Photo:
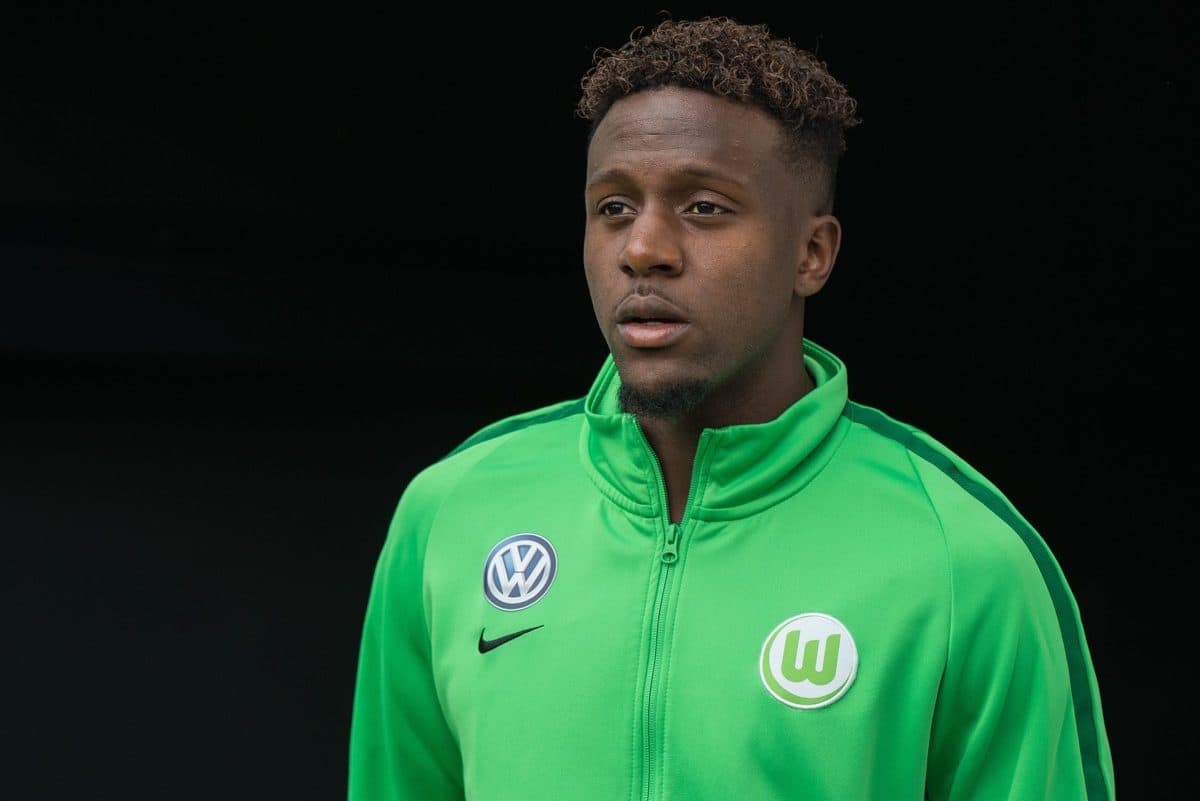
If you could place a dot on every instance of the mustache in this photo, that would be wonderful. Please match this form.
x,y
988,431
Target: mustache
x,y
647,291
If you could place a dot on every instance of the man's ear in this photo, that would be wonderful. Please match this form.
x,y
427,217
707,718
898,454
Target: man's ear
x,y
818,253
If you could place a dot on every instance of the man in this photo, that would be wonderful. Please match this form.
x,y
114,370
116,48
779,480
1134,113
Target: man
x,y
714,576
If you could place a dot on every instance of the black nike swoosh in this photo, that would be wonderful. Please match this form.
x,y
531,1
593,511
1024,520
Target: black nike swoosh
x,y
487,645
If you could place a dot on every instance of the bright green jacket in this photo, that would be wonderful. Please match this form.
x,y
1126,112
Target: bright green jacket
x,y
846,612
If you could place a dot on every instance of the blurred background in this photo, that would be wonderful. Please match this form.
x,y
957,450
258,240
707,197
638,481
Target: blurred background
x,y
260,265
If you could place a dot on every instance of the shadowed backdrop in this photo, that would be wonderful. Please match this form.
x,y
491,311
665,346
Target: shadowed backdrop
x,y
259,266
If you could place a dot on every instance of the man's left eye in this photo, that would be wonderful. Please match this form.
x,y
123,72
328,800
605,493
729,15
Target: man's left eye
x,y
706,207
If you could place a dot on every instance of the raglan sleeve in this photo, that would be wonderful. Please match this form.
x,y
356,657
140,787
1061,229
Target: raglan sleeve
x,y
1018,714
401,748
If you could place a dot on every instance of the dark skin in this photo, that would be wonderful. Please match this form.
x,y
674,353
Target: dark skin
x,y
727,257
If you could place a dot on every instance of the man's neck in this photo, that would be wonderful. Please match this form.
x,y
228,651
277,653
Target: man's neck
x,y
675,446
675,440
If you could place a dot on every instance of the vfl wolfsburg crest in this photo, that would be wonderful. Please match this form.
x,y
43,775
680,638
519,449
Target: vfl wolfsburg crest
x,y
809,661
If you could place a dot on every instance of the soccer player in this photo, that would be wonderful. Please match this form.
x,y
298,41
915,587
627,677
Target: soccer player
x,y
715,576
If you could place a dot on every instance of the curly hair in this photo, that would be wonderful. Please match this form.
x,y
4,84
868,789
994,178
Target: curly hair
x,y
745,63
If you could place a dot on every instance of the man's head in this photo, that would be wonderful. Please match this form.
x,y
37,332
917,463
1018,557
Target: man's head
x,y
711,166
745,63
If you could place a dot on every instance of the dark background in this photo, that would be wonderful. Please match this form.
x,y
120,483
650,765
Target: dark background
x,y
259,266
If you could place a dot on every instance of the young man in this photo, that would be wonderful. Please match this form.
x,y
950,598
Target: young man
x,y
714,576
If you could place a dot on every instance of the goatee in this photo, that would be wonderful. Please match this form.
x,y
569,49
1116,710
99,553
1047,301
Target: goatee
x,y
670,402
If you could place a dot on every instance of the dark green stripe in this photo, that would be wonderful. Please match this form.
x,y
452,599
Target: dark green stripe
x,y
1085,721
516,423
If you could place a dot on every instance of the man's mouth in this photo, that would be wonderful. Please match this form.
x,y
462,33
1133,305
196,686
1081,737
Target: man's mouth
x,y
648,309
649,321
651,332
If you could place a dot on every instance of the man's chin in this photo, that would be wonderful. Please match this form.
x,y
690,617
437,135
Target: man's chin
x,y
665,400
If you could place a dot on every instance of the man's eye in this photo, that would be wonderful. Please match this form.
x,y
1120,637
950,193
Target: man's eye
x,y
706,208
612,208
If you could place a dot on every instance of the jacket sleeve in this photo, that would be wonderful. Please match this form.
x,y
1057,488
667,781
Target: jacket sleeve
x,y
1018,714
401,748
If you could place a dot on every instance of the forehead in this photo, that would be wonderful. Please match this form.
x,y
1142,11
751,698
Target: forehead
x,y
672,127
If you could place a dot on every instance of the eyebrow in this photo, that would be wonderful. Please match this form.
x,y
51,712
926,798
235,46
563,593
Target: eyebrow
x,y
692,170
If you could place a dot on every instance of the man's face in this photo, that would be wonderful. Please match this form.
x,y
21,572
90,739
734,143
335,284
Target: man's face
x,y
696,231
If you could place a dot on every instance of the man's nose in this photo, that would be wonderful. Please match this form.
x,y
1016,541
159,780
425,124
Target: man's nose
x,y
652,244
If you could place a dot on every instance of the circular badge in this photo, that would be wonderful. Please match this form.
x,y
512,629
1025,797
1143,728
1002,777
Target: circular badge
x,y
809,661
518,571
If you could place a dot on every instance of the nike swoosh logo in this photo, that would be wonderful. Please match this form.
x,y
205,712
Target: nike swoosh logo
x,y
487,645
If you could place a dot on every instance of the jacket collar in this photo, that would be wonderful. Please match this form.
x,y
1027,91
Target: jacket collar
x,y
739,469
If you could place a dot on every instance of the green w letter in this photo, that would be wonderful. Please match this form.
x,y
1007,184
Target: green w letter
x,y
794,670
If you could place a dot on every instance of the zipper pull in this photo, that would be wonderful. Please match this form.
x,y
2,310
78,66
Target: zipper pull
x,y
669,553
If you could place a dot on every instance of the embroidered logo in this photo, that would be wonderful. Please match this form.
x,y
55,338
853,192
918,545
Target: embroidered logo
x,y
486,645
809,661
518,571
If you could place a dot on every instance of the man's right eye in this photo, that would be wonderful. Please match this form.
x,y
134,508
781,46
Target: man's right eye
x,y
612,208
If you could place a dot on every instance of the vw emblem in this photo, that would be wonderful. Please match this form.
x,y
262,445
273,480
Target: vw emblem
x,y
518,571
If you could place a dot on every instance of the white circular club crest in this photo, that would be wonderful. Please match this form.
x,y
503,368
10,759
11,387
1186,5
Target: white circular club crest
x,y
518,571
809,661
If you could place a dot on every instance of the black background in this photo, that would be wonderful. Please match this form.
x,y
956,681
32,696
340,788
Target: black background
x,y
259,266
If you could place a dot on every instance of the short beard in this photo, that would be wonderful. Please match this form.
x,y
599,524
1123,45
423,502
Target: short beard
x,y
670,402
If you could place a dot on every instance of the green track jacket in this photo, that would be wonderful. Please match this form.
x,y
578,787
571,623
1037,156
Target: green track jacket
x,y
846,612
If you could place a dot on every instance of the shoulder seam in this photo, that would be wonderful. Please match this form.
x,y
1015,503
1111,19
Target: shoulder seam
x,y
518,422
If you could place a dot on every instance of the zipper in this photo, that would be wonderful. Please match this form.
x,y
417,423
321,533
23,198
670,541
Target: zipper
x,y
668,557
654,662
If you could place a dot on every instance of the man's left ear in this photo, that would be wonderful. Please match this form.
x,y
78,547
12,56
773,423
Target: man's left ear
x,y
818,255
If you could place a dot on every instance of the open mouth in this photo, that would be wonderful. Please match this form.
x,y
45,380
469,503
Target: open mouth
x,y
649,321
